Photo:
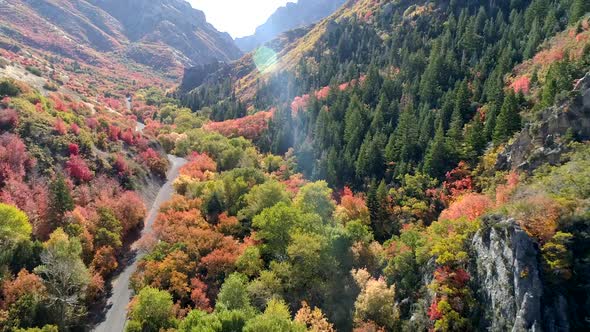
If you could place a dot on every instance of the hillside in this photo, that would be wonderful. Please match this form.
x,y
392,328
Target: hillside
x,y
161,34
293,15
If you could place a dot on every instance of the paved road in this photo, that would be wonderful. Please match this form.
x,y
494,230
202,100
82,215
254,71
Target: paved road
x,y
121,294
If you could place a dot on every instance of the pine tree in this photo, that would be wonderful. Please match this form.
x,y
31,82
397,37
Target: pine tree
x,y
354,131
436,155
533,41
549,90
490,123
578,9
61,200
378,122
508,121
462,102
403,143
454,137
475,141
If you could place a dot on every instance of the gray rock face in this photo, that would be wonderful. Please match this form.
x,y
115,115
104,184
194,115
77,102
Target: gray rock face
x,y
543,141
507,277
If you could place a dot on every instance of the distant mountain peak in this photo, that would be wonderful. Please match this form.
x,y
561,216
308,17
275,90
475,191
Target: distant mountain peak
x,y
292,15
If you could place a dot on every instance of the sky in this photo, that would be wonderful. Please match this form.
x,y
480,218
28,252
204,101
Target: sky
x,y
238,17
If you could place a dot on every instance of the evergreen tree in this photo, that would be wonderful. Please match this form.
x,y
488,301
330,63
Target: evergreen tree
x,y
462,102
533,41
475,141
490,123
578,9
402,145
508,121
61,200
436,155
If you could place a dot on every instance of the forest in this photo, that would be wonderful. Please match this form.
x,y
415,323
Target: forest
x,y
349,193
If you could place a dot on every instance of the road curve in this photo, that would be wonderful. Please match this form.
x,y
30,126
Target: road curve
x,y
121,293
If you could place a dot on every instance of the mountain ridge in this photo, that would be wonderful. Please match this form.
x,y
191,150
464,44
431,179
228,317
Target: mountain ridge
x,y
169,30
291,16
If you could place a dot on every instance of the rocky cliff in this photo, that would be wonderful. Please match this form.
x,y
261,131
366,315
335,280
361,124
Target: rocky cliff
x,y
507,276
545,140
508,281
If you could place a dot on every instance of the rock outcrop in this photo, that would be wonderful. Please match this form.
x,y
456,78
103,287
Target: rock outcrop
x,y
545,141
507,277
509,283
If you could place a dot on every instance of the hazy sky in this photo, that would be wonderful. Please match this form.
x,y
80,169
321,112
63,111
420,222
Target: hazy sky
x,y
238,17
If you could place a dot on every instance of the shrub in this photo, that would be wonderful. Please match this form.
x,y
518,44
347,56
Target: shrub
x,y
9,89
34,70
51,86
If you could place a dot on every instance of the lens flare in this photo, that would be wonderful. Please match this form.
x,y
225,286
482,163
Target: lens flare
x,y
265,59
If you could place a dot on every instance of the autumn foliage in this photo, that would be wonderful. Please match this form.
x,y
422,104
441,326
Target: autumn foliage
x,y
470,206
199,167
78,169
249,127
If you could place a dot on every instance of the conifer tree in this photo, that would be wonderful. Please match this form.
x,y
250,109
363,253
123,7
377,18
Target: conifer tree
x,y
475,140
578,9
508,121
436,155
533,41
61,200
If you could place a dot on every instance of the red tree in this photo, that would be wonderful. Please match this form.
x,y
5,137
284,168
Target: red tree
x,y
470,206
14,159
60,127
74,149
199,295
78,169
8,119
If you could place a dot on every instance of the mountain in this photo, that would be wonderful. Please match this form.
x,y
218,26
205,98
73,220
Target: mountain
x,y
161,33
291,16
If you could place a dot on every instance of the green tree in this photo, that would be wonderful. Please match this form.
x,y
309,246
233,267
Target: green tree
x,y
60,200
475,141
264,288
234,294
250,262
533,41
276,318
263,196
274,227
109,229
316,197
508,121
198,320
14,228
152,311
578,9
436,155
354,130
66,278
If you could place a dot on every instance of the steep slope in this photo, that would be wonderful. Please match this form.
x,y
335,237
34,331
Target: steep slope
x,y
174,23
162,34
292,15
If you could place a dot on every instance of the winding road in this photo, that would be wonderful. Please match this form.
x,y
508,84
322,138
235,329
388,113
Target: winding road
x,y
121,293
